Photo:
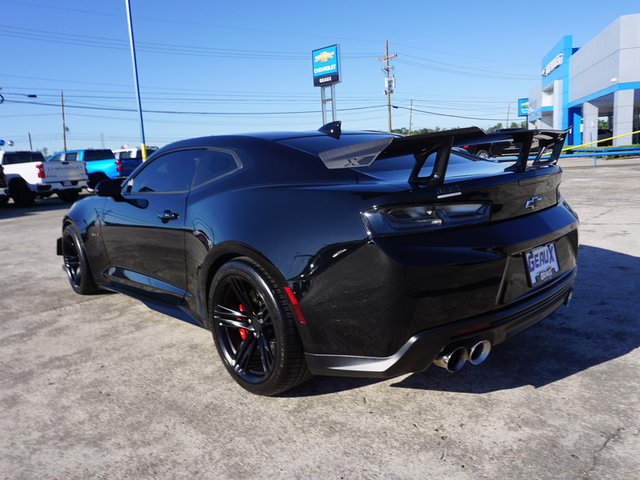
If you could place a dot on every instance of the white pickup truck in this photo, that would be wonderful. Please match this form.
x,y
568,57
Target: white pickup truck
x,y
4,198
28,176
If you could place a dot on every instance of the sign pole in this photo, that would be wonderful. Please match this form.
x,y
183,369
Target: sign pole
x,y
333,103
322,101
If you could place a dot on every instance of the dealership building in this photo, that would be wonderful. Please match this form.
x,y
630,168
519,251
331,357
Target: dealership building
x,y
600,80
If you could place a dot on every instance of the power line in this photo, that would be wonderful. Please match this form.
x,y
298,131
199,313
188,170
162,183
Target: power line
x,y
468,68
447,115
178,112
154,47
468,72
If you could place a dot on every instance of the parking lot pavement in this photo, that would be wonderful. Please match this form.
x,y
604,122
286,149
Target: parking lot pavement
x,y
102,387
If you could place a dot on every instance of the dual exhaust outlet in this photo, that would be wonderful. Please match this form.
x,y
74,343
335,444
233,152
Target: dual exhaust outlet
x,y
453,359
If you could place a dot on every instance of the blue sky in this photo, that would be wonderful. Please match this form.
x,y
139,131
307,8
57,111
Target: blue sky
x,y
246,66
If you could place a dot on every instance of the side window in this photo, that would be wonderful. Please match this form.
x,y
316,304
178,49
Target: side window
x,y
214,165
71,157
172,172
126,155
55,158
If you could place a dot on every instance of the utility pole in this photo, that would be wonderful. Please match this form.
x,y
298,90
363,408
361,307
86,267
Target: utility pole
x,y
410,115
30,144
508,108
388,90
64,126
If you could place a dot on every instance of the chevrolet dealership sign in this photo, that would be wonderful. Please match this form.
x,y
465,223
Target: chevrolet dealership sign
x,y
523,107
326,70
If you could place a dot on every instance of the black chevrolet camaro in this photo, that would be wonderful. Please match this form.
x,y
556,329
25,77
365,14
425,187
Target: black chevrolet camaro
x,y
335,253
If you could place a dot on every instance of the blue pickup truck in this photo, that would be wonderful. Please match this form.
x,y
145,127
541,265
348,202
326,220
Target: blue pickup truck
x,y
101,164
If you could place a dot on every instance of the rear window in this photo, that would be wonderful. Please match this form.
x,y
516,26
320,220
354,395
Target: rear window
x,y
22,157
320,143
317,144
92,155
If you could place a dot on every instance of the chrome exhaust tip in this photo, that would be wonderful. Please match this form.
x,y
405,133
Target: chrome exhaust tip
x,y
452,360
479,352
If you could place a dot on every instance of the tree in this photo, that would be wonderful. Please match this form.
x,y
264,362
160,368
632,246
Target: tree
x,y
404,131
45,152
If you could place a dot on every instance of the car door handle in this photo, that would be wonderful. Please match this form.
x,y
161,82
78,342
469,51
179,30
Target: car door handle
x,y
168,215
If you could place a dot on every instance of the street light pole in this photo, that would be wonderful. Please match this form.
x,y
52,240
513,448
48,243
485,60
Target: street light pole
x,y
143,147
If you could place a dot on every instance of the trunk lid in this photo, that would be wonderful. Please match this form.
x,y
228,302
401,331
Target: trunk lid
x,y
511,194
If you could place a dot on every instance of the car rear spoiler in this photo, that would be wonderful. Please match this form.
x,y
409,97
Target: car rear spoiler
x,y
423,145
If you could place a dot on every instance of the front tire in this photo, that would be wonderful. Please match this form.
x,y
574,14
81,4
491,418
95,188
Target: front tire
x,y
254,329
75,262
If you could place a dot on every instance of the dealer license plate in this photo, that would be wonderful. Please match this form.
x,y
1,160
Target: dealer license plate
x,y
66,184
542,263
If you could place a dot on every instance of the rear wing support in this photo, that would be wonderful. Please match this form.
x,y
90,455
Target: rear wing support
x,y
547,140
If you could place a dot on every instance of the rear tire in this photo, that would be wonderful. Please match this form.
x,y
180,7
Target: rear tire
x,y
254,329
22,196
75,262
482,154
95,179
69,196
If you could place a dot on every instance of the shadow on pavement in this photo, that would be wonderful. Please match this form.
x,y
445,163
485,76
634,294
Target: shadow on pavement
x,y
602,324
42,205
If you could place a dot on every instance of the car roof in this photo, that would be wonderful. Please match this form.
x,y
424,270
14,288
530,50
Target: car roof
x,y
230,140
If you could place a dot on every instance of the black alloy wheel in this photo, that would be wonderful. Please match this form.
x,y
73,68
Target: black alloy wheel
x,y
254,329
75,262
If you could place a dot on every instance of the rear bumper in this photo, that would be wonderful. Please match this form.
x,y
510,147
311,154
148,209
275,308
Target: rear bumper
x,y
423,348
59,186
390,305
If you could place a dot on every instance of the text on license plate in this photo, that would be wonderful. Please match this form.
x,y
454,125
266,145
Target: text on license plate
x,y
542,263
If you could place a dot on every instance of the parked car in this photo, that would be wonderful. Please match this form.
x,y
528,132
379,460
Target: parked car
x,y
29,176
4,196
334,253
502,146
604,138
135,153
101,164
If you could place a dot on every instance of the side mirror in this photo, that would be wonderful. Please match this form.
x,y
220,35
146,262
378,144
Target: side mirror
x,y
113,189
110,188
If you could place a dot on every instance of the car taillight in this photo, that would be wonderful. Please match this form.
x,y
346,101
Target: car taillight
x,y
40,168
416,218
119,166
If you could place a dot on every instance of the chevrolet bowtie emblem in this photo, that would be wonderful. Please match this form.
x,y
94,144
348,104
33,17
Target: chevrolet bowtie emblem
x,y
324,56
533,202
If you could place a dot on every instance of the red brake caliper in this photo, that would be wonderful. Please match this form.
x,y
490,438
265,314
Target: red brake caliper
x,y
242,331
